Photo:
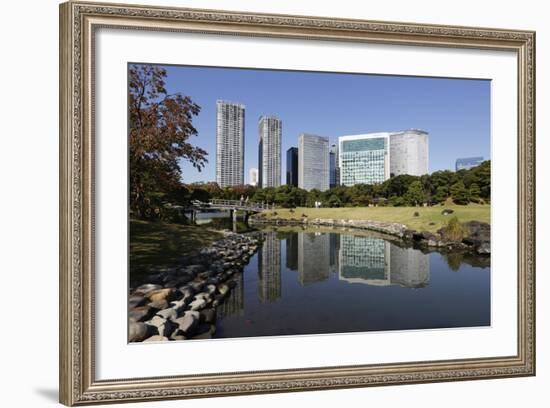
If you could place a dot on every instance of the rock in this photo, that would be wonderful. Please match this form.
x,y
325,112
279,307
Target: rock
x,y
177,337
197,285
484,248
186,324
141,313
161,294
156,338
187,291
138,331
157,321
447,211
194,269
135,301
167,328
208,315
223,289
145,289
180,305
198,303
168,313
210,288
159,304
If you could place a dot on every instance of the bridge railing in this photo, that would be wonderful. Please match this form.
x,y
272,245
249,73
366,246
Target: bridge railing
x,y
241,204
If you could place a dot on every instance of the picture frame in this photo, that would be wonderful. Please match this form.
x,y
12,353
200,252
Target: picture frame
x,y
79,23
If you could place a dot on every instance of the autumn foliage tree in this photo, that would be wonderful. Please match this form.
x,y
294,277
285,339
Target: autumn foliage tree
x,y
160,127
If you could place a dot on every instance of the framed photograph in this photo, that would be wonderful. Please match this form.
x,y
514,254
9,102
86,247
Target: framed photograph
x,y
255,203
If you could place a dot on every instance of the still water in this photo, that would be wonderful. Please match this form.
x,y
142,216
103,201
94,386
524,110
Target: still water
x,y
315,281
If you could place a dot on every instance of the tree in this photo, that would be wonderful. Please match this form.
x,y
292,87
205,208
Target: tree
x,y
441,194
475,192
460,194
160,126
415,194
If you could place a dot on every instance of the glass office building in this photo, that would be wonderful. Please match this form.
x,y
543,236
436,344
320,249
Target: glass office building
x,y
364,159
467,163
269,151
313,162
292,167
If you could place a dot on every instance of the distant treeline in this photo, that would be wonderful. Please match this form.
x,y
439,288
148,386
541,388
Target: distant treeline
x,y
463,186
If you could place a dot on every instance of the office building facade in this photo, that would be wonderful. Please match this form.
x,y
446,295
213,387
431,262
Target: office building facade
x,y
292,167
467,163
253,176
229,144
409,152
313,162
269,151
364,159
334,168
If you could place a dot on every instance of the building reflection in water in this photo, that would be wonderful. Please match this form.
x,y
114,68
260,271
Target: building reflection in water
x,y
291,242
269,269
365,260
313,257
234,304
375,261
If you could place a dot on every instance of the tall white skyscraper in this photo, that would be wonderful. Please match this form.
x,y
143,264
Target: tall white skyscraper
x,y
269,151
253,176
409,152
229,144
313,162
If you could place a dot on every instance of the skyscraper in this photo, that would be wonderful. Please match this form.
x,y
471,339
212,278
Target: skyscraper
x,y
253,176
467,163
269,151
313,162
292,167
409,152
334,169
364,158
229,144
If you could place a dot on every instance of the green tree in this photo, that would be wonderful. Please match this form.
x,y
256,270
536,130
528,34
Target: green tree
x,y
441,194
415,194
460,194
475,192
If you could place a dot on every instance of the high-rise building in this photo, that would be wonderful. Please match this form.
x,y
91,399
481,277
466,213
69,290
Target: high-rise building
x,y
229,144
364,159
334,169
253,176
409,152
467,163
292,167
269,151
313,162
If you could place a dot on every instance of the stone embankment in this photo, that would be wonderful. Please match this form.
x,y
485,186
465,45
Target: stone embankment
x,y
181,303
477,234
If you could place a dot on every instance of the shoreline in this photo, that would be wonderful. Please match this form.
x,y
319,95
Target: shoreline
x,y
477,240
180,303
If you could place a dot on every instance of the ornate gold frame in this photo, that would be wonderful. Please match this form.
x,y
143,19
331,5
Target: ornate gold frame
x,y
78,22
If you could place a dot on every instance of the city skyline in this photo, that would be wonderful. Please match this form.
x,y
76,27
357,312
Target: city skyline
x,y
456,112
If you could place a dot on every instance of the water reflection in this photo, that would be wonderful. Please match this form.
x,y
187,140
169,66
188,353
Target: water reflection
x,y
234,304
269,268
313,258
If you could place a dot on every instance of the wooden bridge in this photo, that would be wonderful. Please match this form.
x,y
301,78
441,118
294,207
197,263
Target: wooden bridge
x,y
232,206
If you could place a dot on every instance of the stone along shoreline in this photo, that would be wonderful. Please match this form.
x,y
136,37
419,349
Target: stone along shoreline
x,y
181,302
477,234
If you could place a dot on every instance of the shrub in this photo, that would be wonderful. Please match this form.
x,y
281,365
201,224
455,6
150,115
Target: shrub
x,y
453,231
416,214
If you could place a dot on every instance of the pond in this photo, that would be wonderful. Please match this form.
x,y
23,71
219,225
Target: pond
x,y
316,281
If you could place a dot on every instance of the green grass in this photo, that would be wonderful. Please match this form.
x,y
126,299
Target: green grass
x,y
429,218
163,244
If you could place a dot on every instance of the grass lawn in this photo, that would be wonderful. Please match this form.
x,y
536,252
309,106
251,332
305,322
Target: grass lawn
x,y
401,215
163,244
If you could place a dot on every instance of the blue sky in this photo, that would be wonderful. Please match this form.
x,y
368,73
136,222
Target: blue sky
x,y
455,112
